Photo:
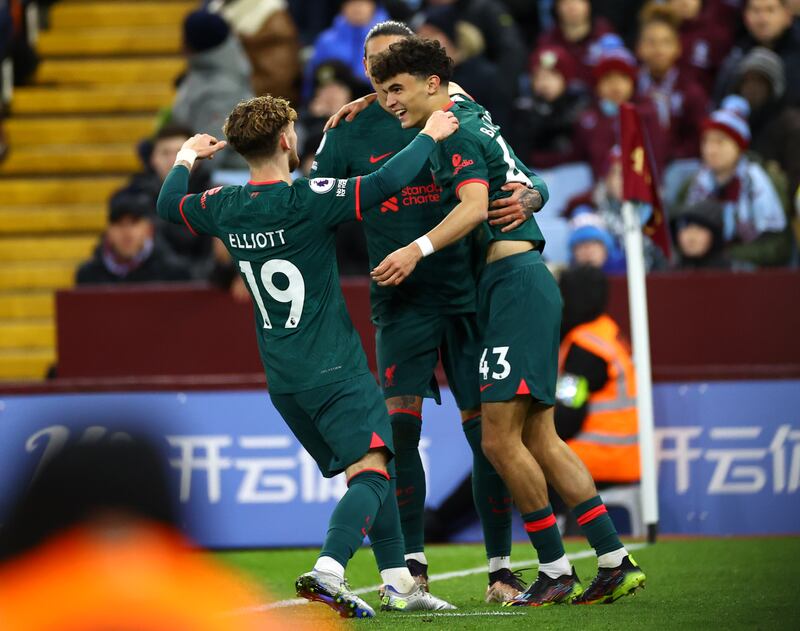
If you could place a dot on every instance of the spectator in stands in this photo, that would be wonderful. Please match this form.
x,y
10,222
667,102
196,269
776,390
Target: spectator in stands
x,y
128,251
143,188
680,102
269,37
753,219
769,24
704,41
504,45
595,410
464,43
590,242
217,78
698,238
598,126
774,123
334,87
545,119
344,40
312,17
577,31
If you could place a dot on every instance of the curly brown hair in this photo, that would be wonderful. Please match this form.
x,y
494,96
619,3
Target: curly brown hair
x,y
416,56
254,126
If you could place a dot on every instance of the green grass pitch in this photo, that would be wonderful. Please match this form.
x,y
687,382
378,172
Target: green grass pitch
x,y
691,584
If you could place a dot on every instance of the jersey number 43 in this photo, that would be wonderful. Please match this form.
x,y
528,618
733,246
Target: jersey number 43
x,y
294,293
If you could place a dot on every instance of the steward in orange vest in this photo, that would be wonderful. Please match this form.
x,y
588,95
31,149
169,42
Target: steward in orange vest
x,y
596,393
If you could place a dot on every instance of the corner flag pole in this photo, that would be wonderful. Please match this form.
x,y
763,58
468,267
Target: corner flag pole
x,y
640,333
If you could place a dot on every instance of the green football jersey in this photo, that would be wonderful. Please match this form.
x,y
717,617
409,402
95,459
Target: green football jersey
x,y
477,152
282,239
441,283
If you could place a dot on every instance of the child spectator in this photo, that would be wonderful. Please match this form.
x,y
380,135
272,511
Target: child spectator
x,y
545,119
680,102
334,87
699,243
217,78
590,242
128,252
598,126
704,41
576,30
753,218
774,123
344,40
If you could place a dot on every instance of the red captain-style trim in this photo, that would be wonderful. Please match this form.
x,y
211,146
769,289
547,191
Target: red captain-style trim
x,y
470,181
406,411
183,216
264,183
383,473
358,198
449,105
376,442
540,524
591,514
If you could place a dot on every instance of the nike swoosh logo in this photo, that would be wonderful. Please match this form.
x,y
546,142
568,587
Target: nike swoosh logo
x,y
488,385
374,159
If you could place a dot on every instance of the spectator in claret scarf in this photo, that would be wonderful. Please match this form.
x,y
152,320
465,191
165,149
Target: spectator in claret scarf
x,y
578,32
680,102
754,221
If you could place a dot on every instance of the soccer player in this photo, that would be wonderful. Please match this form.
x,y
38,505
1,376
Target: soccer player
x,y
281,236
432,315
519,316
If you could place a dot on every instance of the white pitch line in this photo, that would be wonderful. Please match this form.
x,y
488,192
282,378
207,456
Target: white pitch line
x,y
444,576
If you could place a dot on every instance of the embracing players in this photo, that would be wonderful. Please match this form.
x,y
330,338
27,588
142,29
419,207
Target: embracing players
x,y
431,315
519,316
281,235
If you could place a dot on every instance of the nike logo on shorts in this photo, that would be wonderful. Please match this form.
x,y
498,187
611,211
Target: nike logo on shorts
x,y
488,385
374,159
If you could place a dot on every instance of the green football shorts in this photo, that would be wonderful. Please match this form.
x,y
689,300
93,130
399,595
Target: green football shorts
x,y
409,343
337,423
519,318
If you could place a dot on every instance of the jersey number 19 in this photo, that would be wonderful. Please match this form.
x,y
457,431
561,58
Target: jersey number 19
x,y
294,294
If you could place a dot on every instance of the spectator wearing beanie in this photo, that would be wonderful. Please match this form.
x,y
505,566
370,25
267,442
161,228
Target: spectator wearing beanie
x,y
753,218
774,123
598,127
546,117
217,78
577,31
698,239
680,102
769,24
464,43
590,242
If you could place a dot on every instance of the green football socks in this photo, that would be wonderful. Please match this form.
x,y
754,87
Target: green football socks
x,y
386,535
406,429
355,514
544,535
596,524
492,500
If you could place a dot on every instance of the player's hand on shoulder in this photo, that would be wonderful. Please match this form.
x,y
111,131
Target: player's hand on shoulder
x,y
511,212
440,125
396,267
204,145
350,111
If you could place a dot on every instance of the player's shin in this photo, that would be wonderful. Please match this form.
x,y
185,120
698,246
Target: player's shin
x,y
406,429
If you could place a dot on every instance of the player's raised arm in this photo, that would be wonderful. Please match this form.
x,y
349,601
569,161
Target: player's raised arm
x,y
176,184
404,166
470,212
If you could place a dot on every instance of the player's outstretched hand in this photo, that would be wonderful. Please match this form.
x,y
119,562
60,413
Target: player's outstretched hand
x,y
204,145
440,125
396,267
516,209
350,111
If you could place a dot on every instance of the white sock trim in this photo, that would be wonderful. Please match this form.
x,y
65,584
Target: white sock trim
x,y
399,578
612,559
556,568
498,563
330,565
419,557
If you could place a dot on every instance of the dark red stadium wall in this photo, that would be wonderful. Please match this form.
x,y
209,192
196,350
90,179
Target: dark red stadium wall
x,y
704,326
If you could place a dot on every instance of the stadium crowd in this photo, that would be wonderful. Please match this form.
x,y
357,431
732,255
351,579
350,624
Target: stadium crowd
x,y
716,82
